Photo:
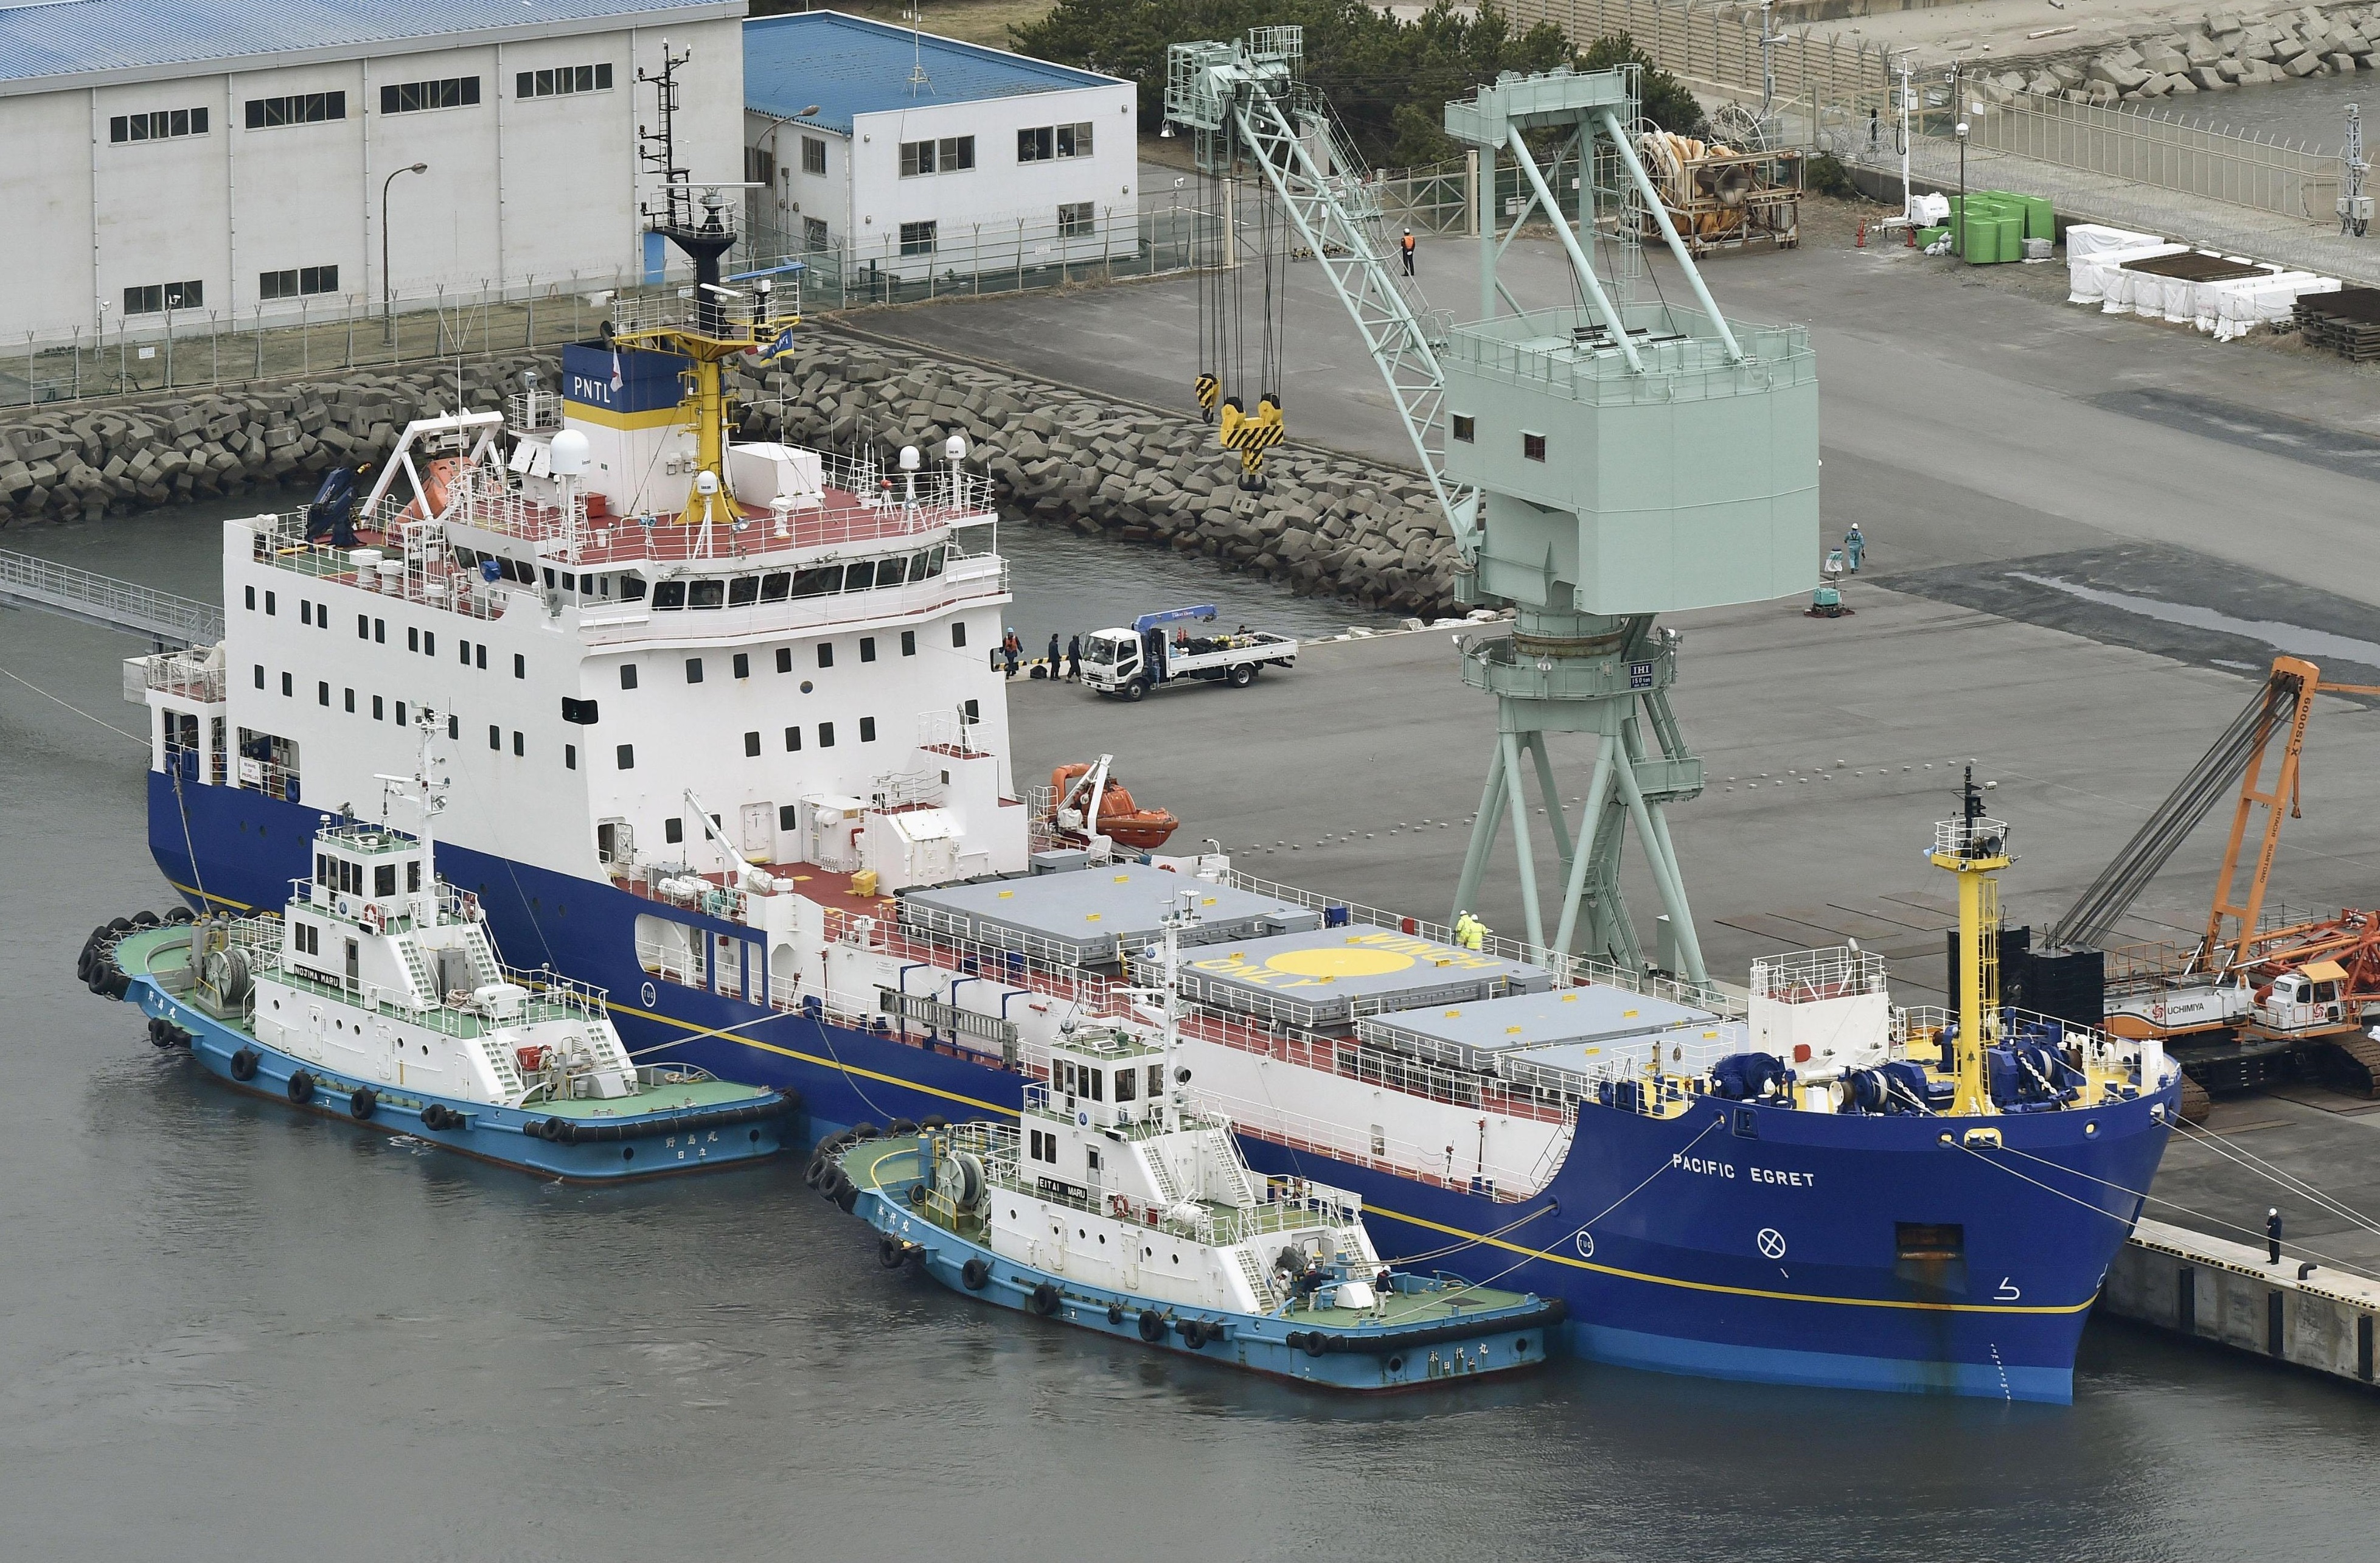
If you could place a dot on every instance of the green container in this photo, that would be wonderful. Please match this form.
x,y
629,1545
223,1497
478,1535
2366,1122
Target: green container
x,y
2012,229
2040,217
1928,237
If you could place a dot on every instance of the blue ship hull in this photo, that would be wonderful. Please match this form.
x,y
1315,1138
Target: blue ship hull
x,y
1739,1241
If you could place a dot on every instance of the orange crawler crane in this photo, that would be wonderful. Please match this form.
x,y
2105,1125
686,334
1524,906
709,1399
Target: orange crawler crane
x,y
2247,996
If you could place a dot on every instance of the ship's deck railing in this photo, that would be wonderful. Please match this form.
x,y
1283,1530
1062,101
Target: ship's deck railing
x,y
1804,976
430,581
1569,970
190,675
1923,1024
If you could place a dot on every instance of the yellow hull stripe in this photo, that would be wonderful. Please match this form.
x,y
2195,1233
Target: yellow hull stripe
x,y
658,418
203,895
813,1059
1734,1291
1410,1220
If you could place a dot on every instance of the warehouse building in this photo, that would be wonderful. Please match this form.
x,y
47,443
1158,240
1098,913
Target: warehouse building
x,y
928,154
224,158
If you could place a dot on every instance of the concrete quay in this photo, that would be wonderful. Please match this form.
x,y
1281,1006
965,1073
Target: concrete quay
x,y
2231,1294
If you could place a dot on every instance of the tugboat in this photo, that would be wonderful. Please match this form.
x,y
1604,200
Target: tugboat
x,y
1115,1206
377,992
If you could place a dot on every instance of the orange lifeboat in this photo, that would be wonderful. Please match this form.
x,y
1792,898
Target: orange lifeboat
x,y
437,476
1121,819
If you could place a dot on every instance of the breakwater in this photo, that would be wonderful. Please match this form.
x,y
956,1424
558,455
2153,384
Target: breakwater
x,y
1324,524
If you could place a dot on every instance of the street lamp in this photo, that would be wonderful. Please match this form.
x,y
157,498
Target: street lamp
x,y
387,296
777,123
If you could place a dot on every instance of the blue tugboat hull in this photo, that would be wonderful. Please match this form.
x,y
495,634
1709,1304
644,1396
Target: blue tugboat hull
x,y
1654,1232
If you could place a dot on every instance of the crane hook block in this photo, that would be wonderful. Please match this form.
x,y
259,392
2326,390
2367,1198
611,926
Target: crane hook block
x,y
1208,388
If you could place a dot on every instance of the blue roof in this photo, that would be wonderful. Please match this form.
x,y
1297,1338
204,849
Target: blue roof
x,y
849,65
70,38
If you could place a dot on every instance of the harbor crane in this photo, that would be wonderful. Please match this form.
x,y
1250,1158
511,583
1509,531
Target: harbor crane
x,y
1598,463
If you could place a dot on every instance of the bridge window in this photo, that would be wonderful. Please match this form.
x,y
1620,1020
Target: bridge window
x,y
1533,447
1467,428
705,594
669,594
743,592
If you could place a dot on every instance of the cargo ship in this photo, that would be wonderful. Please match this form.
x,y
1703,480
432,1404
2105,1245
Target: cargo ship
x,y
727,743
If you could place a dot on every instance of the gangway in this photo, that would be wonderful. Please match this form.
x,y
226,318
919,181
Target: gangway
x,y
127,607
1598,463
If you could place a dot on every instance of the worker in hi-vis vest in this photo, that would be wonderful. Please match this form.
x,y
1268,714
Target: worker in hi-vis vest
x,y
1406,245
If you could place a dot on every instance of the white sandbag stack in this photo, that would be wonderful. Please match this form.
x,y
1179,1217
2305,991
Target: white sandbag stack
x,y
2263,302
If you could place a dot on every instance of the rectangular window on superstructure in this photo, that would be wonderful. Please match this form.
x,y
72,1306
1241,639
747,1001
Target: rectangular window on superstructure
x,y
288,684
363,627
400,713
380,708
562,80
743,664
813,154
520,748
958,634
674,830
793,739
624,757
272,605
252,600
430,643
157,125
480,657
412,637
351,702
826,735
570,757
454,726
412,97
908,643
868,730
305,611
826,653
260,675
751,746
495,738
380,632
322,694
520,665
784,659
693,670
787,816
298,108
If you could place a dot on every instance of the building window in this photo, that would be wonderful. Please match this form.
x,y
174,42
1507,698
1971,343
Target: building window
x,y
751,746
826,735
868,730
793,739
297,282
160,125
1533,446
917,238
1076,220
157,297
693,670
410,97
760,165
908,643
562,79
1052,141
947,154
626,757
813,154
299,108
958,634
813,234
1465,427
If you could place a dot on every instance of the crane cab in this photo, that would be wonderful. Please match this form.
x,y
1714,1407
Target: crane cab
x,y
2310,997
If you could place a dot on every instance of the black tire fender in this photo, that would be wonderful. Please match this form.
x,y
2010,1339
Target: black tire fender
x,y
433,1116
301,1088
974,1274
891,1252
243,1064
1045,1299
1115,1312
1315,1343
1152,1325
363,1103
901,1126
846,1196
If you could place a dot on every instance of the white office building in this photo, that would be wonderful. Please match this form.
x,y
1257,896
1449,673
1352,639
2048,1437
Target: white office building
x,y
222,157
930,154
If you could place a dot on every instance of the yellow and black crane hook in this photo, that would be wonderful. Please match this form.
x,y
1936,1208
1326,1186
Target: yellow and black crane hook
x,y
1208,388
1252,434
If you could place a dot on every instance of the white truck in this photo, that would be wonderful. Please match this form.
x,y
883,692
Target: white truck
x,y
1127,664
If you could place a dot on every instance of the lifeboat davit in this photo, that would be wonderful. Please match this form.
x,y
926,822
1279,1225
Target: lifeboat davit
x,y
1121,819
